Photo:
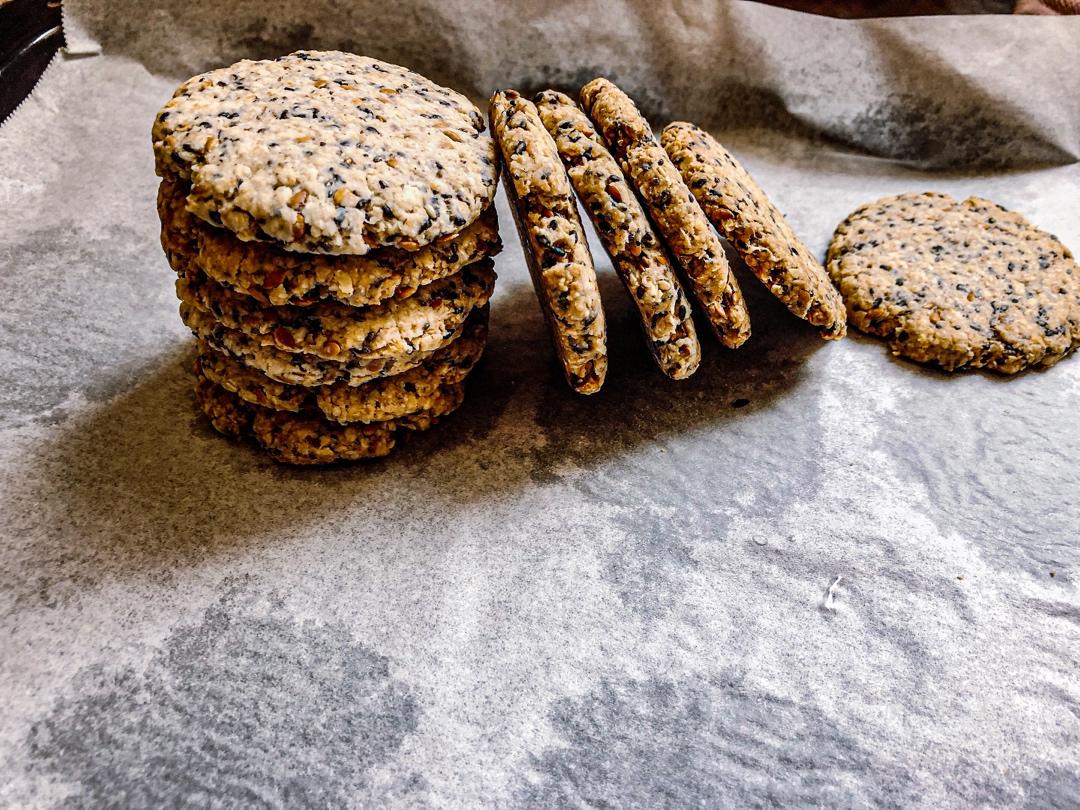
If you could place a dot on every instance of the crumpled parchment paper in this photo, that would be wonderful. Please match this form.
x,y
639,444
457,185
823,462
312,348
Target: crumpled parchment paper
x,y
811,574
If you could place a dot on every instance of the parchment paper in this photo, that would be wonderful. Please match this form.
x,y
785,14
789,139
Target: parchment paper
x,y
811,574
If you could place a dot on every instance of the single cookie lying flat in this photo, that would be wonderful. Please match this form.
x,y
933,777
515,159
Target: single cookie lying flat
x,y
327,152
627,236
296,368
307,438
741,211
334,331
961,284
375,401
672,208
277,277
551,233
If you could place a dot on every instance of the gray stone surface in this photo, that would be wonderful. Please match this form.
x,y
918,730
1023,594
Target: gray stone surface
x,y
809,575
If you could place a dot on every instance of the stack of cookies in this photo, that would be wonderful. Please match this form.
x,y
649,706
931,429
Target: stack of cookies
x,y
330,220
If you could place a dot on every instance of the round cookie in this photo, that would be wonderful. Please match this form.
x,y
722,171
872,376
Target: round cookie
x,y
248,384
327,152
308,439
334,331
374,401
961,284
672,208
278,277
295,368
626,234
560,264
228,414
740,210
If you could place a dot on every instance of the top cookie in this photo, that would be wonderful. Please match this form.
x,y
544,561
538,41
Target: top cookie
x,y
629,239
560,264
961,284
672,208
739,209
327,152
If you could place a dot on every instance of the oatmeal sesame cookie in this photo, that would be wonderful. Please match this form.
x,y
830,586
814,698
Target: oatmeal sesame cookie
x,y
375,401
635,250
963,284
740,210
672,208
551,233
249,384
306,438
327,152
335,331
228,414
278,277
294,368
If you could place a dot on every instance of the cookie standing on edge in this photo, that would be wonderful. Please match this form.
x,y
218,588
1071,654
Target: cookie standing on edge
x,y
327,152
961,284
561,266
671,207
741,211
627,236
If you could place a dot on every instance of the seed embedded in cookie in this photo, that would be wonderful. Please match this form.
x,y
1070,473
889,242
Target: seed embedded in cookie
x,y
635,250
963,284
556,251
741,211
672,208
327,152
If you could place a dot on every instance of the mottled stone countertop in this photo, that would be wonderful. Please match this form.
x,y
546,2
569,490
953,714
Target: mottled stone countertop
x,y
809,575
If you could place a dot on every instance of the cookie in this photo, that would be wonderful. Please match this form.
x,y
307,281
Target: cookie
x,y
408,393
278,277
961,284
306,438
558,256
334,331
626,234
307,370
376,401
672,208
327,152
741,211
250,385
228,414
